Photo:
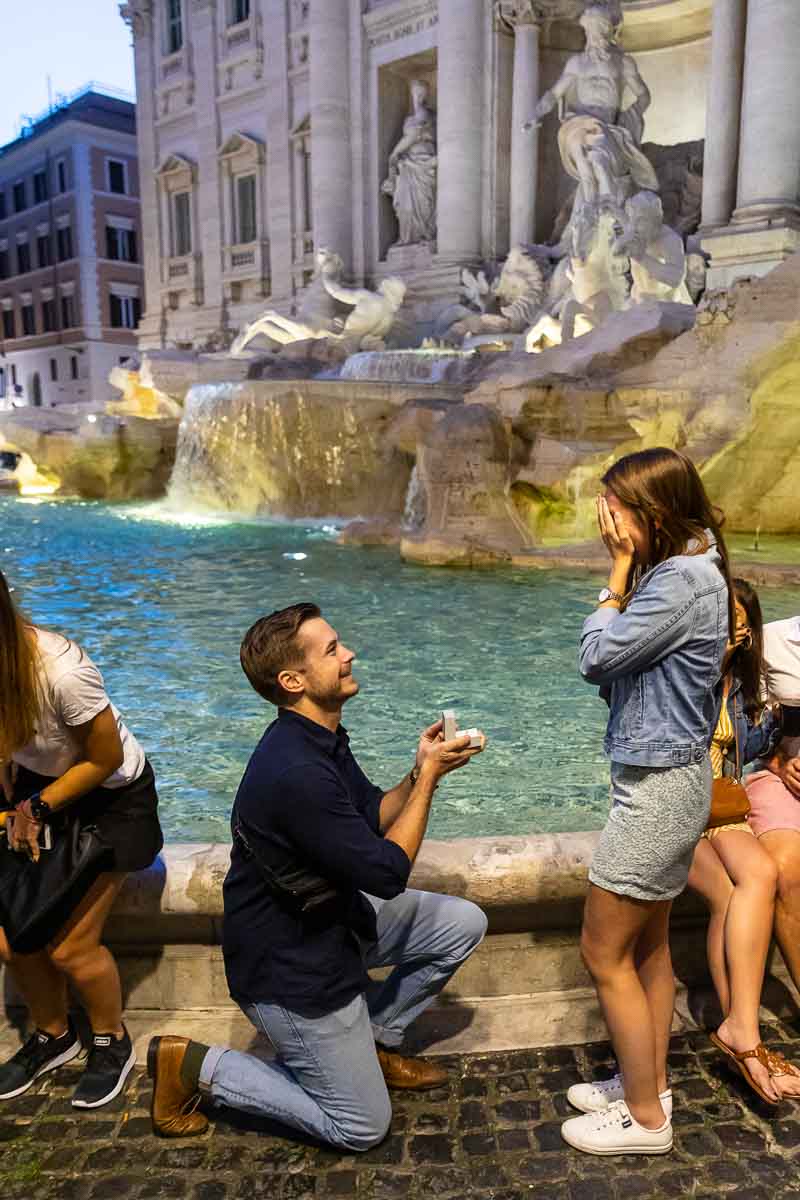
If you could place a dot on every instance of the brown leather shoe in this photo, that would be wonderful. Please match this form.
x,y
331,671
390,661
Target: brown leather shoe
x,y
409,1073
173,1108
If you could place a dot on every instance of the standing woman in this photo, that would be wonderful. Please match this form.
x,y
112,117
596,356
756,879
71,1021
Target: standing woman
x,y
655,645
66,755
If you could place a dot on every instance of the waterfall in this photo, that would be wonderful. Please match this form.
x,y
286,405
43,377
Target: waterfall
x,y
416,505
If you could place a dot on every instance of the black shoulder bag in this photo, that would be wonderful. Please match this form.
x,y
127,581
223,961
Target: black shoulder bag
x,y
37,899
297,888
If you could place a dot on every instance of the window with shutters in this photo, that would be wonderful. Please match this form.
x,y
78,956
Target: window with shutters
x,y
64,243
49,322
125,311
174,26
68,319
246,209
43,253
40,190
181,224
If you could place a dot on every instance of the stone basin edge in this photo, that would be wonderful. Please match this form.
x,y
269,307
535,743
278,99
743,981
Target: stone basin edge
x,y
494,872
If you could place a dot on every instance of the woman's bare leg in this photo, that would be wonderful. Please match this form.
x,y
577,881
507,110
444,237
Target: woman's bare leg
x,y
710,880
654,967
89,965
748,930
783,847
612,926
43,988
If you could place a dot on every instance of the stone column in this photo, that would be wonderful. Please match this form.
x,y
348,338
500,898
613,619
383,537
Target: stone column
x,y
459,134
769,149
331,160
207,236
524,146
145,32
723,107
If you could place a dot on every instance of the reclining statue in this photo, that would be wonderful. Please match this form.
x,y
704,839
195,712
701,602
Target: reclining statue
x,y
319,314
315,316
373,314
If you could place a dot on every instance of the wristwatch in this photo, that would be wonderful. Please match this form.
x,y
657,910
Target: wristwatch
x,y
38,808
607,594
413,774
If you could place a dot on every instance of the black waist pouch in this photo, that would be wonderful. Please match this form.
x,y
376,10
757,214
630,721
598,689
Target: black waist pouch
x,y
302,891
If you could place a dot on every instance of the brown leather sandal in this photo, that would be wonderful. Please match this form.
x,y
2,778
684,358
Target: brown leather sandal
x,y
779,1066
760,1053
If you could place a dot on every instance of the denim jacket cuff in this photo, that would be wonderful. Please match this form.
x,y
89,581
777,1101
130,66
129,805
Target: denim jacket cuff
x,y
599,619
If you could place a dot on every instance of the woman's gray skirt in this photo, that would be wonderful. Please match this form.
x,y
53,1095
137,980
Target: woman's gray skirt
x,y
657,817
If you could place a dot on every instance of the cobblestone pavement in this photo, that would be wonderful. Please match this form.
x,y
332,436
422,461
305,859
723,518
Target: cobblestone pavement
x,y
492,1133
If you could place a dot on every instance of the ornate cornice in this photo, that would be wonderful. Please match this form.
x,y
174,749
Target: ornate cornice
x,y
138,15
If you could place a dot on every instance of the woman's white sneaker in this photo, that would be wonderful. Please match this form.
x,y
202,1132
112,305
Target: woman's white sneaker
x,y
596,1096
614,1131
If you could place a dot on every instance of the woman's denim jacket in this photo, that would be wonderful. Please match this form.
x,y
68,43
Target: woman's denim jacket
x,y
756,739
659,662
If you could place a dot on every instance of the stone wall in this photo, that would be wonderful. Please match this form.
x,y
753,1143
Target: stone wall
x,y
525,985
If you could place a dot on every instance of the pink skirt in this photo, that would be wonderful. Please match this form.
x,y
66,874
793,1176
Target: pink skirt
x,y
772,805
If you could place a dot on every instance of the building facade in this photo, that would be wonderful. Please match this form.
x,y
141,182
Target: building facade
x,y
71,280
271,128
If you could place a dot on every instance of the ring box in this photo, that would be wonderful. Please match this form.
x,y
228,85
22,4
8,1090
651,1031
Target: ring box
x,y
451,730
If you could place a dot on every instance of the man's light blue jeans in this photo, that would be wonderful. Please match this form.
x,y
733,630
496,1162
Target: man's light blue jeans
x,y
326,1079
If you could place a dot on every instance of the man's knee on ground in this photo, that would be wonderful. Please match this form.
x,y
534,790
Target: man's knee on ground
x,y
471,924
368,1130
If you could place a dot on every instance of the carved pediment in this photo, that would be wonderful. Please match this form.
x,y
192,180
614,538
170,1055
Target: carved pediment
x,y
243,144
176,164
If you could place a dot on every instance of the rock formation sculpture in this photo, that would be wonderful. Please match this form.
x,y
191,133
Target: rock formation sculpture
x,y
411,182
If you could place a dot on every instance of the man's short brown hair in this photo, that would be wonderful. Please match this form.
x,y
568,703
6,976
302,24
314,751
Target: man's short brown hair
x,y
271,646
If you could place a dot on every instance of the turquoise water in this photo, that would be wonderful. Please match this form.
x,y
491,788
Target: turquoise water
x,y
161,605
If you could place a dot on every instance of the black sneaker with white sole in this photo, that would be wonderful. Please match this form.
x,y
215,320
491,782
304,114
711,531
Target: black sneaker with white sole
x,y
109,1064
41,1053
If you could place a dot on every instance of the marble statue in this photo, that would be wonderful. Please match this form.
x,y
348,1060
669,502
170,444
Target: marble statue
x,y
597,276
411,181
507,304
316,317
599,139
374,313
656,253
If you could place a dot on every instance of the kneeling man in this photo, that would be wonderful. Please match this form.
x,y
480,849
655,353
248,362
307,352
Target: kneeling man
x,y
316,894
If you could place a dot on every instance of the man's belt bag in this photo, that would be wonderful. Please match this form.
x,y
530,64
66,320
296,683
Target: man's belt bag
x,y
297,888
37,899
730,804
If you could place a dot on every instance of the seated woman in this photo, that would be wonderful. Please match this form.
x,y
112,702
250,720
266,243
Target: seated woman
x,y
734,874
774,792
66,755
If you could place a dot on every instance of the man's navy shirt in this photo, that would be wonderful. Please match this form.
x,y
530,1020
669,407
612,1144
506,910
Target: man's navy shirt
x,y
305,800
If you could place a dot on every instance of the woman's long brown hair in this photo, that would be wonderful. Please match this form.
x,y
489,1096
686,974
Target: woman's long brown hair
x,y
20,704
663,486
747,662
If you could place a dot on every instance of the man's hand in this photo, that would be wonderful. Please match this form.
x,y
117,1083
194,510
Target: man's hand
x,y
428,739
444,757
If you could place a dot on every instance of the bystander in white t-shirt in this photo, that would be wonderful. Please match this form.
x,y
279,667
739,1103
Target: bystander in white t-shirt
x,y
782,669
72,693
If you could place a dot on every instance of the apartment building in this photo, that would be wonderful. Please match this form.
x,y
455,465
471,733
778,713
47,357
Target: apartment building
x,y
71,283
